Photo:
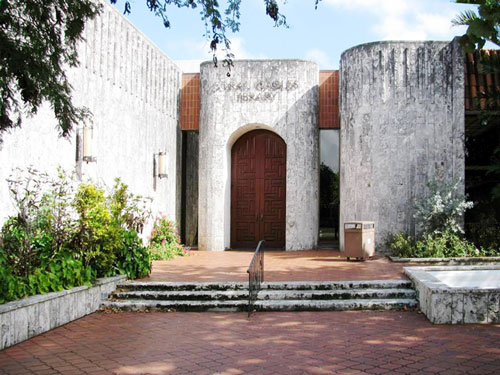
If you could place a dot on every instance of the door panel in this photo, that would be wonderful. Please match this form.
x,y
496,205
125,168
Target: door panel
x,y
258,196
244,193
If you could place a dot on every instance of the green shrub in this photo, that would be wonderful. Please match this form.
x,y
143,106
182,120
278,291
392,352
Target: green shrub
x,y
25,252
97,239
133,259
439,216
66,235
486,234
401,245
64,273
107,238
130,213
43,269
12,287
128,210
164,243
433,245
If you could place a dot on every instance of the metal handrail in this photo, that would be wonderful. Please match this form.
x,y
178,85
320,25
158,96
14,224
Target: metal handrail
x,y
255,275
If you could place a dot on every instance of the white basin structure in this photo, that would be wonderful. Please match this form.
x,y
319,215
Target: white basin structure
x,y
458,294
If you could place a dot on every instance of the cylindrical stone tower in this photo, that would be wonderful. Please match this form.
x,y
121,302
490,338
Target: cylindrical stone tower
x,y
402,125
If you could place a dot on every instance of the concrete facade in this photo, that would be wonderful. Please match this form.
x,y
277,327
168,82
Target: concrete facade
x,y
132,89
402,125
277,95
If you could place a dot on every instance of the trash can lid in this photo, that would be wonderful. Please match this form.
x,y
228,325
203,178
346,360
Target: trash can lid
x,y
359,222
359,225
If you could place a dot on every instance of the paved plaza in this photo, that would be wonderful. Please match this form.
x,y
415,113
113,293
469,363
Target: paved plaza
x,y
390,342
359,342
308,265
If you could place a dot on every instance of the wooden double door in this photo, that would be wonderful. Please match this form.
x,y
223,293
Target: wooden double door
x,y
258,190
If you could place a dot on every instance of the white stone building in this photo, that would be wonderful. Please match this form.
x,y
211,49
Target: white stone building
x,y
243,152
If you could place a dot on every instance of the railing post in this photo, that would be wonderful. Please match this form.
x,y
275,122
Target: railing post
x,y
255,275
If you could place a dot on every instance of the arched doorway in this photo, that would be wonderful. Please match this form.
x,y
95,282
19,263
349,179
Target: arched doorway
x,y
258,190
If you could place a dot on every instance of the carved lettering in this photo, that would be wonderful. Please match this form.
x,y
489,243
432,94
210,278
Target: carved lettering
x,y
256,97
291,85
276,85
262,86
265,91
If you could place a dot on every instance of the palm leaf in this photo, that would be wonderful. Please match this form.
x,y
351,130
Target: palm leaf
x,y
465,18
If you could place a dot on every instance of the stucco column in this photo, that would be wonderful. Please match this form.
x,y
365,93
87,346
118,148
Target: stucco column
x,y
277,95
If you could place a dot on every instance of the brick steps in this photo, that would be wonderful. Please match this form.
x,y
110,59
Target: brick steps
x,y
274,296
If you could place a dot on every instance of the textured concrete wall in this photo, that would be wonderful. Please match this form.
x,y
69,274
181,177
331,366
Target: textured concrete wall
x,y
132,90
28,317
402,124
278,95
192,144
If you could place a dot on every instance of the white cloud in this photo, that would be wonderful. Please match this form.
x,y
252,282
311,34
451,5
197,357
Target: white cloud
x,y
237,49
406,19
203,49
319,56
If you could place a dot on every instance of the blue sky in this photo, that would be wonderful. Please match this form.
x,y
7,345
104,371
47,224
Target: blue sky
x,y
320,35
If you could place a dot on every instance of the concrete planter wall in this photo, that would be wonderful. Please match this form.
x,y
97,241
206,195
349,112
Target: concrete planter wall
x,y
469,299
473,261
22,319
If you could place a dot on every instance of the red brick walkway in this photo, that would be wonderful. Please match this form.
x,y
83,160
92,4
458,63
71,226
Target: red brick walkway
x,y
268,343
312,265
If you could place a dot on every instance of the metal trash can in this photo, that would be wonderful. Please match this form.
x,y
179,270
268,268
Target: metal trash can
x,y
359,239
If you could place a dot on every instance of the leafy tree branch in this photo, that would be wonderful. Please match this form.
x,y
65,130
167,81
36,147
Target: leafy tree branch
x,y
219,20
482,26
38,39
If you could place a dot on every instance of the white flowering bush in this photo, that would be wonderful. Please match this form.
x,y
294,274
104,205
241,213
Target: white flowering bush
x,y
442,209
442,237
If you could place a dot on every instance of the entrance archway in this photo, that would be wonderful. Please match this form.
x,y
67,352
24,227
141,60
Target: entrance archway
x,y
258,190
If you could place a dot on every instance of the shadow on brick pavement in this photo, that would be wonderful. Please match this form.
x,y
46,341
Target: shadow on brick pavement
x,y
305,265
360,342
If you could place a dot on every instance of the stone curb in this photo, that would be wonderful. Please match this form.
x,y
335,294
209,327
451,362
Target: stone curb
x,y
28,317
456,260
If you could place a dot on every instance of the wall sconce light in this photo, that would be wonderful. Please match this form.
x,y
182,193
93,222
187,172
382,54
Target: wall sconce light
x,y
88,135
162,165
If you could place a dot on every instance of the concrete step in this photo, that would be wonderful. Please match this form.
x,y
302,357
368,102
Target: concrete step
x,y
196,295
180,286
262,305
274,296
216,295
337,285
337,305
286,285
181,305
335,294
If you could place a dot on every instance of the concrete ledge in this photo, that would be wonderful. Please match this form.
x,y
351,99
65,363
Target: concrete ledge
x,y
447,261
28,317
467,297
